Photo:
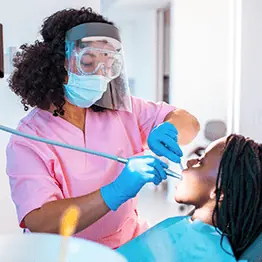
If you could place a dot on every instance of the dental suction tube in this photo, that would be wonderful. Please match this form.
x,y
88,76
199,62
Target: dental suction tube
x,y
76,148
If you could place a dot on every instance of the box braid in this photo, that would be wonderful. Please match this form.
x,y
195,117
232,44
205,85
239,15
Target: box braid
x,y
239,215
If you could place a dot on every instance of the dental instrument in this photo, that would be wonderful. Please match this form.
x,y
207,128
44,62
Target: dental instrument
x,y
81,149
181,166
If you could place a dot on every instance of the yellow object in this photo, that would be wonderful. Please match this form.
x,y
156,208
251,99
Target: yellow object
x,y
69,221
68,226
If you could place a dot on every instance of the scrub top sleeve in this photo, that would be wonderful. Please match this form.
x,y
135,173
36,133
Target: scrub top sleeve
x,y
31,183
149,114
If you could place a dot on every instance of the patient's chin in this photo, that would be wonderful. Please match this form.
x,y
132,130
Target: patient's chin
x,y
182,199
179,199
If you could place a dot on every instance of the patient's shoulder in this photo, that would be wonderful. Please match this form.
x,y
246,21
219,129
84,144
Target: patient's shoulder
x,y
215,253
205,240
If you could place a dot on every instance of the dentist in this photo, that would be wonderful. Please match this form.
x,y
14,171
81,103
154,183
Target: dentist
x,y
75,80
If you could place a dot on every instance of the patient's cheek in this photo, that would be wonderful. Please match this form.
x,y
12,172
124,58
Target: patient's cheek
x,y
181,193
189,189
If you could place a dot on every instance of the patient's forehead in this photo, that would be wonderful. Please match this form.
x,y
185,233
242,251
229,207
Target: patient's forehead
x,y
215,149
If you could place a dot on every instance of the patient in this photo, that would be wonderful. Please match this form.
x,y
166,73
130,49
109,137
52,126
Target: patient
x,y
225,186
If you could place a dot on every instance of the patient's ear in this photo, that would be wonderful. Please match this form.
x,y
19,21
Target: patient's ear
x,y
213,194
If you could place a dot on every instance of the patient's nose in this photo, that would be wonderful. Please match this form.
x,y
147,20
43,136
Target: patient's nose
x,y
191,163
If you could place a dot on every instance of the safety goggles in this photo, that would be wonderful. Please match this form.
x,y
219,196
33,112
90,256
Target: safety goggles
x,y
93,61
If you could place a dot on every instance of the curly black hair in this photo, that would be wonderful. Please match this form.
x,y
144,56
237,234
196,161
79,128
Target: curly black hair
x,y
239,215
39,72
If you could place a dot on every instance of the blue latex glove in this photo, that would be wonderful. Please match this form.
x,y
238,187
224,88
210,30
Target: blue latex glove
x,y
137,172
162,140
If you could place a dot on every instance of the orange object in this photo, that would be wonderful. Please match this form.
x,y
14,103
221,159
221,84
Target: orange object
x,y
68,226
69,221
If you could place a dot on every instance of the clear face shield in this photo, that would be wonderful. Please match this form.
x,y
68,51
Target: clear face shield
x,y
95,66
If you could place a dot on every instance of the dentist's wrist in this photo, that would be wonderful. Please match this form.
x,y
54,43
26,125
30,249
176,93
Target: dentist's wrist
x,y
112,197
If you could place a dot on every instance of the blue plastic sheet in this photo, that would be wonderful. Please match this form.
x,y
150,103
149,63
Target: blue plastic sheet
x,y
178,240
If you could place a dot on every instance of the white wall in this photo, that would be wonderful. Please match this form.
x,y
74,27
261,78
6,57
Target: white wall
x,y
146,49
127,31
21,20
139,37
216,46
250,118
200,59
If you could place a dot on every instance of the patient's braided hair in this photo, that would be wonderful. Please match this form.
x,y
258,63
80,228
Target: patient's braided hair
x,y
239,214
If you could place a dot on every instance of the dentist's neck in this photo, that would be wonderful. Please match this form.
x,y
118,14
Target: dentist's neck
x,y
74,115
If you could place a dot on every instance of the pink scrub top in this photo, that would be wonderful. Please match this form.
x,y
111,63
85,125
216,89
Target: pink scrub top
x,y
39,173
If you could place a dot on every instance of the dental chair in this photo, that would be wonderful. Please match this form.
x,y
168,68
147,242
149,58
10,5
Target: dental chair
x,y
164,253
253,253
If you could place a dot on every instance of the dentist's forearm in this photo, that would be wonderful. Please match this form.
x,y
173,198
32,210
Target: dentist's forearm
x,y
47,218
186,124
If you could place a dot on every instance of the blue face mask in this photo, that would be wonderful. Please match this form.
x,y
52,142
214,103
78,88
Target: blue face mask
x,y
84,91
